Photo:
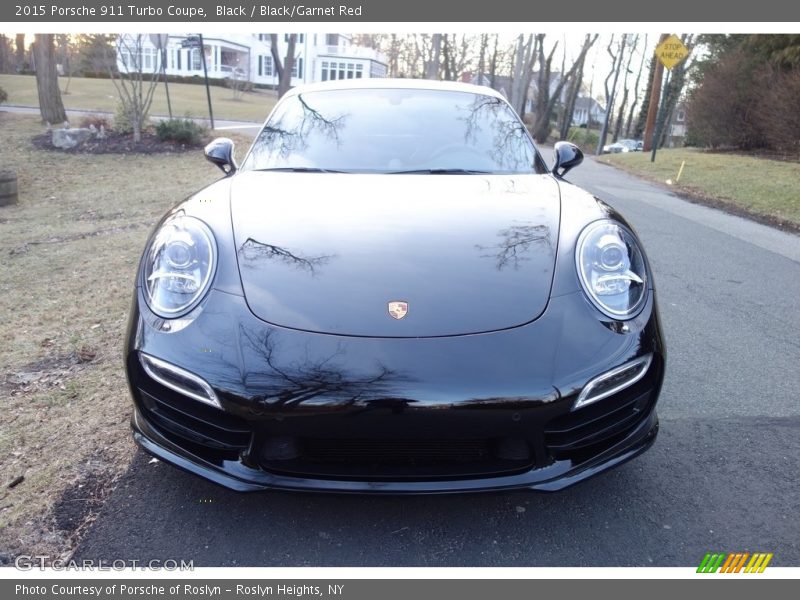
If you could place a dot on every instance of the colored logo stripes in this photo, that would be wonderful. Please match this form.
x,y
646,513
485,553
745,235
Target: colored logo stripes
x,y
734,562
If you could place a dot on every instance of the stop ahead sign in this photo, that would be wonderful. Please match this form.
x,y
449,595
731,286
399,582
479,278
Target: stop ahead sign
x,y
671,52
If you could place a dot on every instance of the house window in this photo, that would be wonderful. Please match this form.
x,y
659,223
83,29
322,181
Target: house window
x,y
300,37
149,59
268,66
197,63
297,68
681,116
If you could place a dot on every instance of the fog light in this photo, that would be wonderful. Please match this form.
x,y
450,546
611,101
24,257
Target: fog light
x,y
178,379
613,381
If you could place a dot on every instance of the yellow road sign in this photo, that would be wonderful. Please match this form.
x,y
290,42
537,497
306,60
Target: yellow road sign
x,y
671,52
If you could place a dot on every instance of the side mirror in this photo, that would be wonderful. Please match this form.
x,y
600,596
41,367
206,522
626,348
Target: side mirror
x,y
568,156
220,152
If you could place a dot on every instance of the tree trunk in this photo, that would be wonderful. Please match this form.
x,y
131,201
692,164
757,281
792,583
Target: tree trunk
x,y
432,68
625,90
50,104
620,115
641,120
610,92
448,62
20,50
5,63
572,97
632,110
523,60
283,67
493,64
541,129
482,57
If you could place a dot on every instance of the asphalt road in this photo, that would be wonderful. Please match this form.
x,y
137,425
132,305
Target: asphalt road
x,y
724,474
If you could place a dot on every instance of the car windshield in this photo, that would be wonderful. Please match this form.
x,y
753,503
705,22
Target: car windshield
x,y
394,131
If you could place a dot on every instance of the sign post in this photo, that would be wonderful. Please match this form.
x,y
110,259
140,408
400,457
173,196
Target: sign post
x,y
670,52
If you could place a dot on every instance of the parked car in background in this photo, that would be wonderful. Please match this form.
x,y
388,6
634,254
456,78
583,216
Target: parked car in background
x,y
623,146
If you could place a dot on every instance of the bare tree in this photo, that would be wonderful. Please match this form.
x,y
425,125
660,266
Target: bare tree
x,y
523,60
20,50
134,81
65,54
632,108
543,106
393,55
574,89
239,83
50,104
493,63
432,64
5,54
625,89
611,91
547,98
283,66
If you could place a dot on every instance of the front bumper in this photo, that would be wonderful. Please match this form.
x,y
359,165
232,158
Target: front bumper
x,y
315,412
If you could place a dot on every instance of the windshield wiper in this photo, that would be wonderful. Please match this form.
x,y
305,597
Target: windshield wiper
x,y
301,170
441,172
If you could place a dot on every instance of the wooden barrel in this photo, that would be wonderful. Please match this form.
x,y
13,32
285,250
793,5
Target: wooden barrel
x,y
8,188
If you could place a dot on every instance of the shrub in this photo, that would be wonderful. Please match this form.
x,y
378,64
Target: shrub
x,y
122,120
585,138
96,120
182,131
3,95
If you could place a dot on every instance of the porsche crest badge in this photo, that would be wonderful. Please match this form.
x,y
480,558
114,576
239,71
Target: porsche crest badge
x,y
398,309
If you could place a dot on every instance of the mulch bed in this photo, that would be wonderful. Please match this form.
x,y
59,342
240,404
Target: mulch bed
x,y
115,143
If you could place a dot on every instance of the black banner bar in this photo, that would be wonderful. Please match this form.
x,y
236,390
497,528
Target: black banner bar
x,y
730,588
354,11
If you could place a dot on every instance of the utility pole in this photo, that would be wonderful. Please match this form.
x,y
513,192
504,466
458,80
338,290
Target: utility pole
x,y
655,96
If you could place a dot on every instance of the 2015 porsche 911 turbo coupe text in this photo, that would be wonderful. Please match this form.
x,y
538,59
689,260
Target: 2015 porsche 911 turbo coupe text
x,y
393,293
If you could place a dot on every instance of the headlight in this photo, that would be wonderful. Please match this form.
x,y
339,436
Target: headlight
x,y
179,266
611,268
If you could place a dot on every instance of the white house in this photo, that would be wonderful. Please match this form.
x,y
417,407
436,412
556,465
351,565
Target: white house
x,y
318,57
584,107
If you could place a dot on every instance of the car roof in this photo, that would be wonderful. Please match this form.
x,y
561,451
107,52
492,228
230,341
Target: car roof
x,y
383,83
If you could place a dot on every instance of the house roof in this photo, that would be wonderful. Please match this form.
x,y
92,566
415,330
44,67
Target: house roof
x,y
586,103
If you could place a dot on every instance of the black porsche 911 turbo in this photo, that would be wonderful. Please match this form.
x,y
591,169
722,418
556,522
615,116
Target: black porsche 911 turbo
x,y
394,294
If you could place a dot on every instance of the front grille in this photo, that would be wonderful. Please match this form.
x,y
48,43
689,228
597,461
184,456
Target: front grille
x,y
377,459
196,422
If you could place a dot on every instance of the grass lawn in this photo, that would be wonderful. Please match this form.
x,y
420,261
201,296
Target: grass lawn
x,y
100,95
758,186
68,252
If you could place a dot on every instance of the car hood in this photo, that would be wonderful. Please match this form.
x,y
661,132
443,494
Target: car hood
x,y
328,252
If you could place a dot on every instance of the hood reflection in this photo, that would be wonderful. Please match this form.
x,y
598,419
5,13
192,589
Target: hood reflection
x,y
251,252
324,381
516,243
